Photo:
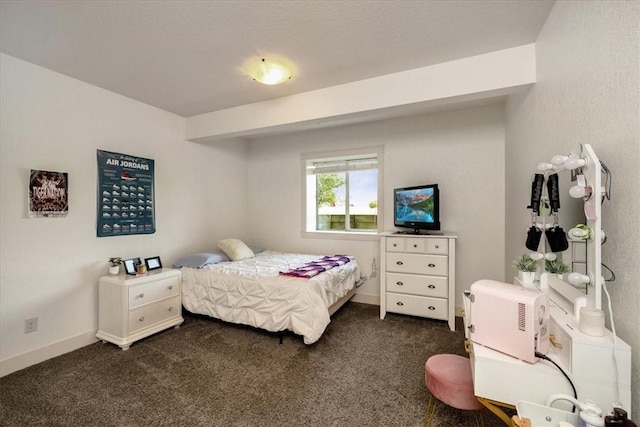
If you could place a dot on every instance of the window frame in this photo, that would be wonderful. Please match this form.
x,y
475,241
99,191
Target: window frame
x,y
309,207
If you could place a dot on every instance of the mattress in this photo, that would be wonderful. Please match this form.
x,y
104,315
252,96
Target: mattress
x,y
252,292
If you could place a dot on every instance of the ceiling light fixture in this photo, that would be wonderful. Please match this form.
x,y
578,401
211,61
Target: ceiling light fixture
x,y
269,71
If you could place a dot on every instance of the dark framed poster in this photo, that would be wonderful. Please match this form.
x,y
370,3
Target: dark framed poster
x,y
48,194
125,195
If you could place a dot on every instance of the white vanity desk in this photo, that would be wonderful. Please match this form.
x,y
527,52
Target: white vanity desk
x,y
503,380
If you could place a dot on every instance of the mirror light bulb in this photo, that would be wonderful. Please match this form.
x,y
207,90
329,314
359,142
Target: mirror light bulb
x,y
574,163
579,191
578,279
542,167
559,159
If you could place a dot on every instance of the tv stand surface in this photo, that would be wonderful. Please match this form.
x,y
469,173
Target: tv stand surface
x,y
421,233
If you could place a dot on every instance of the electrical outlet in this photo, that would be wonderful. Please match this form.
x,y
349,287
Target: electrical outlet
x,y
31,325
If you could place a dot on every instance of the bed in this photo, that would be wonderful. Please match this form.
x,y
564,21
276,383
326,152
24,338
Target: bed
x,y
252,291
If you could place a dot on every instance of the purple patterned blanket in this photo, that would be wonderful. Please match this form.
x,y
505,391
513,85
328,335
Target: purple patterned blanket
x,y
313,268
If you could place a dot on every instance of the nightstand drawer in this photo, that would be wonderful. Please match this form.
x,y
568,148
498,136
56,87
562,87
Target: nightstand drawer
x,y
150,314
431,286
153,291
435,308
436,265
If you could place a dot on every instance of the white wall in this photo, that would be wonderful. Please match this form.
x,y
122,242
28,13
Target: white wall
x,y
587,92
462,151
49,267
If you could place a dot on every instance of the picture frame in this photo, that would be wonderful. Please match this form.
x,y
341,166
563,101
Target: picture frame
x,y
131,265
153,263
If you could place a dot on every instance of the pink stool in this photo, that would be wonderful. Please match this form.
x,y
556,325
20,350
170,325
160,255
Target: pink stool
x,y
448,378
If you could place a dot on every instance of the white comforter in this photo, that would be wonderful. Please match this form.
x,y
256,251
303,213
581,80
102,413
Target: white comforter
x,y
251,292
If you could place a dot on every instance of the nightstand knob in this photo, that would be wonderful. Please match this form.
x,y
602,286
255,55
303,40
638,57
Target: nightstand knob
x,y
142,319
400,303
399,263
431,286
170,308
431,307
415,246
141,296
432,265
399,283
170,287
437,246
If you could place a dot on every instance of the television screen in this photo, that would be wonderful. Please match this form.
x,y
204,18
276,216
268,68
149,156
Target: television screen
x,y
417,207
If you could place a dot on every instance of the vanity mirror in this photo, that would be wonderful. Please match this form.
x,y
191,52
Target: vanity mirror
x,y
583,285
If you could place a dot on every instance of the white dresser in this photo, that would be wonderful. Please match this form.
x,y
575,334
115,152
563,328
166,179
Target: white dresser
x,y
418,275
134,307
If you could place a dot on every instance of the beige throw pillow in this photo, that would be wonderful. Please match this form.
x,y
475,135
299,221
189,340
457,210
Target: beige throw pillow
x,y
235,249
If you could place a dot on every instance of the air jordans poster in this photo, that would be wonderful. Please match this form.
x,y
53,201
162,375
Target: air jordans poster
x,y
125,195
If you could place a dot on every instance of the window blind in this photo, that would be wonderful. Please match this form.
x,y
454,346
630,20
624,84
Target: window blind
x,y
341,165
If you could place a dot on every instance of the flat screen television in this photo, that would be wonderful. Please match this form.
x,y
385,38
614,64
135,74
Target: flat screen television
x,y
417,208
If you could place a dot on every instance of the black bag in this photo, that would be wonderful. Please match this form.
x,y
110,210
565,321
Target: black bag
x,y
557,239
533,238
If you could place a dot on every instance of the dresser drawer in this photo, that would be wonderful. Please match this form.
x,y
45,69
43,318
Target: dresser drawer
x,y
438,246
430,286
395,244
436,265
414,305
153,313
147,293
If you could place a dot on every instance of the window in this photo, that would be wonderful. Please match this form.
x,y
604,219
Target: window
x,y
342,191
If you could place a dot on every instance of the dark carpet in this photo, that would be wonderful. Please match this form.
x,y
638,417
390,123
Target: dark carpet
x,y
362,372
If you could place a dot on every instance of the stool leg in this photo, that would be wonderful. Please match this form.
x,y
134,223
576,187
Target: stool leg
x,y
430,413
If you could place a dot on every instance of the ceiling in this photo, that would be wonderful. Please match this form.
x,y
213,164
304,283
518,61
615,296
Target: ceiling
x,y
186,57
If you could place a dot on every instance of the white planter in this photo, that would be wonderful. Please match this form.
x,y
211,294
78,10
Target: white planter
x,y
114,270
526,277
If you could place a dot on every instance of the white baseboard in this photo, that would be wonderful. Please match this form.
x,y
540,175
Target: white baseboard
x,y
366,299
24,360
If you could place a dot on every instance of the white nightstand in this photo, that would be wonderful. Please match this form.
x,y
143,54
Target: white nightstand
x,y
134,307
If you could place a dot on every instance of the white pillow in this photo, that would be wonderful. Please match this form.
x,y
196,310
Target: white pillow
x,y
235,249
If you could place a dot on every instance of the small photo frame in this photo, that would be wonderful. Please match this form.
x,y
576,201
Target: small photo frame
x,y
131,265
153,263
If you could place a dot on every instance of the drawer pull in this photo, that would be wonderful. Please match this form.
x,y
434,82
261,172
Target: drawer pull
x,y
399,303
431,286
142,319
141,296
170,308
399,263
394,245
556,344
431,265
415,246
399,283
170,287
431,307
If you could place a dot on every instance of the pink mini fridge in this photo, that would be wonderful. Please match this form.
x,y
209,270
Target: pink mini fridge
x,y
509,318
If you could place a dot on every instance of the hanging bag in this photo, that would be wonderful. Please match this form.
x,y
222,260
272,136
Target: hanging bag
x,y
535,233
556,237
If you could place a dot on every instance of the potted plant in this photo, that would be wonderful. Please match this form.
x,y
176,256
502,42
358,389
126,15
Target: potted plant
x,y
526,267
557,267
114,265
